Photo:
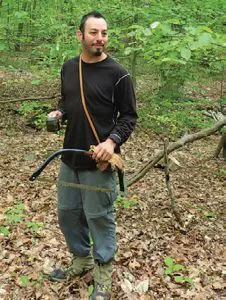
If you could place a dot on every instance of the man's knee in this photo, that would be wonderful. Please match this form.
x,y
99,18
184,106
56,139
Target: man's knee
x,y
68,218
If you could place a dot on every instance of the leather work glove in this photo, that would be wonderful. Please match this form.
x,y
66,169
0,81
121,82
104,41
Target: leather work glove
x,y
115,161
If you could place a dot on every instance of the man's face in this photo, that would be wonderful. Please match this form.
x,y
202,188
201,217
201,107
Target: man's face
x,y
95,36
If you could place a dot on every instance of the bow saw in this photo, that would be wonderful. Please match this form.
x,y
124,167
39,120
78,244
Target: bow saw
x,y
72,184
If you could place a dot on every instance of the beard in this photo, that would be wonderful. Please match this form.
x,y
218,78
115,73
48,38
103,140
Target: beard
x,y
98,52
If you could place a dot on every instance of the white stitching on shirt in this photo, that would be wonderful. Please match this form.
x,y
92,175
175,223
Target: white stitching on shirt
x,y
121,79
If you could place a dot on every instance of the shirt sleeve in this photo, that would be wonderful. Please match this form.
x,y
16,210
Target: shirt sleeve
x,y
125,101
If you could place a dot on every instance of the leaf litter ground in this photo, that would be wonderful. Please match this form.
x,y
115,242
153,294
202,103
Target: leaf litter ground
x,y
146,230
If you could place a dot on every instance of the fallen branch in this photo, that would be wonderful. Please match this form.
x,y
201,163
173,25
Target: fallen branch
x,y
170,186
30,99
173,146
214,115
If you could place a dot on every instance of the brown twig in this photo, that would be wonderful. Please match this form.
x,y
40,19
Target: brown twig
x,y
30,99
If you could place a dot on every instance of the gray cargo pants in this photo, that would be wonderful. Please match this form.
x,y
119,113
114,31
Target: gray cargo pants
x,y
85,213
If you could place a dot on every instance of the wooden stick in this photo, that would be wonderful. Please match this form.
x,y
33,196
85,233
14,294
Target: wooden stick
x,y
180,143
30,99
170,186
220,146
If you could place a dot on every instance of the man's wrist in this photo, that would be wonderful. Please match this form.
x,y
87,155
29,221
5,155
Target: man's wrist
x,y
109,140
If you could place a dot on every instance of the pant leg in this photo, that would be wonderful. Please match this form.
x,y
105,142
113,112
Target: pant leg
x,y
72,219
98,208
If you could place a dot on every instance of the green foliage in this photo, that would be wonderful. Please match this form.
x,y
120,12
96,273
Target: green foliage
x,y
124,202
15,213
173,269
210,215
171,266
90,290
178,41
183,279
35,226
4,230
24,280
36,113
173,117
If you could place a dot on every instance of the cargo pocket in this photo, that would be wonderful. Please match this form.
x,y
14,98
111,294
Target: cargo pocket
x,y
98,204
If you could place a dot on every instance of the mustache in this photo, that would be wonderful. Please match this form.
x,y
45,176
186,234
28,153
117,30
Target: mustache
x,y
98,44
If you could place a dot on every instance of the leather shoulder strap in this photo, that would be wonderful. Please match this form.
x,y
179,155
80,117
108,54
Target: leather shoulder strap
x,y
84,102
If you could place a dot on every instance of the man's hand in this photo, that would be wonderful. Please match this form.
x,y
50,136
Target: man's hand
x,y
104,151
55,113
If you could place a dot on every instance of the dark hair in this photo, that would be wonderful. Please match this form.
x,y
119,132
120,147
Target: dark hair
x,y
92,14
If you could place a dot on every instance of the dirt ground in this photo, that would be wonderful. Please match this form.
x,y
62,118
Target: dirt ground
x,y
147,232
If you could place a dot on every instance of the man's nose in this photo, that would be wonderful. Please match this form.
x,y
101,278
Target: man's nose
x,y
99,36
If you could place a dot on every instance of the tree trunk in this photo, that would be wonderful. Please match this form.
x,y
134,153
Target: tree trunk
x,y
20,29
134,67
171,83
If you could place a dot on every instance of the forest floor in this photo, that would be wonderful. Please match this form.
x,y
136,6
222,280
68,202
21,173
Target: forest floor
x,y
31,244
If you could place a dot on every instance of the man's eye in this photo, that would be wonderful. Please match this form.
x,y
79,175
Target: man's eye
x,y
104,33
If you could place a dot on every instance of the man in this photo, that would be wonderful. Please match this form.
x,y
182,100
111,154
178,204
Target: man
x,y
110,101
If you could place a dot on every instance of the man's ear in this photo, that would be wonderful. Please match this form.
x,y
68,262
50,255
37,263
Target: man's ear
x,y
79,35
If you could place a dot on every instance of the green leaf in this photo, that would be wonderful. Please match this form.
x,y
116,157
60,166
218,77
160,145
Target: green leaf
x,y
205,39
168,271
210,215
185,53
154,25
174,21
21,14
13,218
166,29
90,290
136,27
128,51
24,280
188,279
30,156
179,279
36,81
194,45
3,47
4,230
174,61
147,32
35,225
177,267
168,261
206,29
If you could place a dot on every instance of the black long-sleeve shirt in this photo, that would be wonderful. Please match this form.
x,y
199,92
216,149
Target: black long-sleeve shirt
x,y
110,100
